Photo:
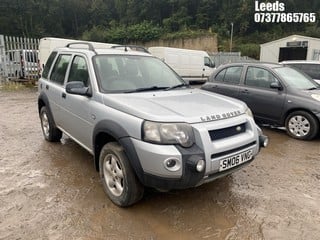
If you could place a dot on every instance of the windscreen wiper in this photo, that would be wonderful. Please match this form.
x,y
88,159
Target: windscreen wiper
x,y
312,88
153,88
177,86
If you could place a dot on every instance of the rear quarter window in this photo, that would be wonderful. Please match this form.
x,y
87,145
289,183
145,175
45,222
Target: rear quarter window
x,y
49,62
233,75
220,76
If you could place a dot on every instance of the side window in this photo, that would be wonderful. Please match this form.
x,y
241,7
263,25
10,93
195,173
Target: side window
x,y
49,62
233,75
79,71
259,77
59,70
220,76
208,62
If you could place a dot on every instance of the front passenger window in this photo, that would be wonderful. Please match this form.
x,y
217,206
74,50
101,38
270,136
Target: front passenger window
x,y
79,71
259,77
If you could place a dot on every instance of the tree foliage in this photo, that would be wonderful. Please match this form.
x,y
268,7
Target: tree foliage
x,y
121,21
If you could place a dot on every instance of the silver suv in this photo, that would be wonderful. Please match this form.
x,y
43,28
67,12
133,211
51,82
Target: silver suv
x,y
141,122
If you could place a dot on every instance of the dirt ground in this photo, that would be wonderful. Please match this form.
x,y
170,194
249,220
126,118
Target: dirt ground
x,y
52,191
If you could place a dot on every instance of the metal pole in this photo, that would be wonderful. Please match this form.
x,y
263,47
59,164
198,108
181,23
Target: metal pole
x,y
3,63
231,37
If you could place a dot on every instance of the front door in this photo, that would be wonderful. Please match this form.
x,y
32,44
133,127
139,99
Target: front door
x,y
264,101
77,115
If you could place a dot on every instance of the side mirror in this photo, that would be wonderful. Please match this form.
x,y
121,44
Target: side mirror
x,y
210,65
276,85
78,88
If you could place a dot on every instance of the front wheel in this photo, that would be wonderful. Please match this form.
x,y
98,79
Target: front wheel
x,y
302,125
117,176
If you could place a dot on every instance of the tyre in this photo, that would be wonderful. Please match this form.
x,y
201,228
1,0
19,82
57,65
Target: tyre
x,y
49,130
302,125
117,176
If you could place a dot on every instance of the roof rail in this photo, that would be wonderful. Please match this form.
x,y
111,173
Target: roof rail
x,y
132,47
90,46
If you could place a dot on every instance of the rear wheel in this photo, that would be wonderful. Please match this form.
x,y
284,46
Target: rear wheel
x,y
302,125
49,130
117,176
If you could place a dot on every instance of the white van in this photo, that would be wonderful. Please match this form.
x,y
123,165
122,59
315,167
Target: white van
x,y
22,63
191,65
48,44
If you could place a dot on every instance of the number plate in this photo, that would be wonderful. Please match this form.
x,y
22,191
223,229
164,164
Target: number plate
x,y
235,160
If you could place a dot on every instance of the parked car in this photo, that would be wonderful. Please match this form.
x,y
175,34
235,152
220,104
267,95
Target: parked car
x,y
142,123
311,68
276,94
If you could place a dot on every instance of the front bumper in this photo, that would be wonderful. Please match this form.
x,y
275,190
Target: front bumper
x,y
155,161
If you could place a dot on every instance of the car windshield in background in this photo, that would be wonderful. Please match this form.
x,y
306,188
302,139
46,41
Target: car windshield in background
x,y
119,73
295,79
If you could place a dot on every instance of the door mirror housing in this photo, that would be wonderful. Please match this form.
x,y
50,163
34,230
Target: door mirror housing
x,y
78,88
276,85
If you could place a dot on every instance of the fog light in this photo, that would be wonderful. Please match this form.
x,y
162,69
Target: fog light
x,y
172,164
200,165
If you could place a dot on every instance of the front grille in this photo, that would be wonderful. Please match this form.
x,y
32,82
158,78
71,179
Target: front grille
x,y
217,155
227,132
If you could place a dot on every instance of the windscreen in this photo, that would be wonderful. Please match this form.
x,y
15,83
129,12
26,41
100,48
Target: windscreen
x,y
295,79
123,73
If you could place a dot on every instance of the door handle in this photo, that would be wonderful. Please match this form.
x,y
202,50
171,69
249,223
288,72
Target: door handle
x,y
245,91
47,87
63,95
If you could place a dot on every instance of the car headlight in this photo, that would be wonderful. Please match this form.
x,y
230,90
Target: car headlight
x,y
316,97
248,112
168,133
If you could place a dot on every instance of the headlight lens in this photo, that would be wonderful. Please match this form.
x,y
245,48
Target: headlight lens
x,y
168,133
249,113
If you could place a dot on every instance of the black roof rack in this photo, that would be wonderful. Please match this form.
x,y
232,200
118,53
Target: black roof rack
x,y
132,47
90,46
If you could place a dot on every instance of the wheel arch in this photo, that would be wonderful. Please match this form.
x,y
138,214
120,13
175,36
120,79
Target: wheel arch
x,y
108,131
283,122
43,101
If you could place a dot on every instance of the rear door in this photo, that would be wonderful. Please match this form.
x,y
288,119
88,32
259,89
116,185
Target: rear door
x,y
265,102
54,87
226,81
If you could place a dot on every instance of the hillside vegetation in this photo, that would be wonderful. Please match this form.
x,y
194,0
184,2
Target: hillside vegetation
x,y
121,21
